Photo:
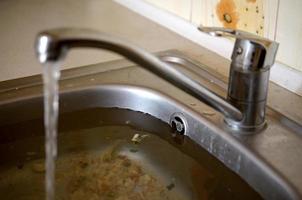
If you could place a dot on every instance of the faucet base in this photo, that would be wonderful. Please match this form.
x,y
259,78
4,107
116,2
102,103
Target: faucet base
x,y
242,129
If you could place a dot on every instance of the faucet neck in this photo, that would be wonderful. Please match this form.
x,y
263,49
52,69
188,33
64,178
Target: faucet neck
x,y
249,72
53,45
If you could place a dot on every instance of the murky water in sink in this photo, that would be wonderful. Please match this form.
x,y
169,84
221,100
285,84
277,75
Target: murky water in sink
x,y
98,159
51,75
109,172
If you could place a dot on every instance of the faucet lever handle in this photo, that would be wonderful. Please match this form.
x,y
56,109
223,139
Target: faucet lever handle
x,y
238,34
247,46
219,31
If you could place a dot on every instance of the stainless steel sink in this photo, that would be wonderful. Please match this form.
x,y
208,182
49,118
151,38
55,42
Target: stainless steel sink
x,y
270,161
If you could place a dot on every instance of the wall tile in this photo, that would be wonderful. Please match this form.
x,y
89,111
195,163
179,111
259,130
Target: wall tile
x,y
181,8
278,20
198,10
246,15
289,33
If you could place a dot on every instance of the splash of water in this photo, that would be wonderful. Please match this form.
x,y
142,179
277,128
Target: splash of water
x,y
51,75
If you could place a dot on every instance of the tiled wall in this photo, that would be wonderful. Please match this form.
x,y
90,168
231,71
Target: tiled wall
x,y
279,20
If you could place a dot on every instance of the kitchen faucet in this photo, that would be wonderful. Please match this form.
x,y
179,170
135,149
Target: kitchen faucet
x,y
244,109
252,58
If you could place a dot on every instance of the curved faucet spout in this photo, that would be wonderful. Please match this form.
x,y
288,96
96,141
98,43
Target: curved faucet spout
x,y
52,45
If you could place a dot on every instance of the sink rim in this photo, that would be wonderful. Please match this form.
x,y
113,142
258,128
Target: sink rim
x,y
201,130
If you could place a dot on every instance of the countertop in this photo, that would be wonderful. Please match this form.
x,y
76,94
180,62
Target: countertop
x,y
21,21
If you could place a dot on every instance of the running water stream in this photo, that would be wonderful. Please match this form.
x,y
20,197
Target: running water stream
x,y
51,75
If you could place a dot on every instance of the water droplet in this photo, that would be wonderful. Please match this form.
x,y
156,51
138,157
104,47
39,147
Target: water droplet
x,y
238,163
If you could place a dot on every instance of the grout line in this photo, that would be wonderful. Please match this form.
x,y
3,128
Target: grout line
x,y
281,74
191,11
276,21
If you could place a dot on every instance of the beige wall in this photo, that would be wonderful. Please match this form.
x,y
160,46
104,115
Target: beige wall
x,y
22,20
279,20
289,33
181,8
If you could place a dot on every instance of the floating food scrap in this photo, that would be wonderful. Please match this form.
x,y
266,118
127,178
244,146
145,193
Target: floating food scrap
x,y
38,167
20,166
112,151
137,138
112,176
133,150
170,186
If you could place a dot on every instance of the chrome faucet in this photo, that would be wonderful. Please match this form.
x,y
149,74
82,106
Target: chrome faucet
x,y
245,108
252,59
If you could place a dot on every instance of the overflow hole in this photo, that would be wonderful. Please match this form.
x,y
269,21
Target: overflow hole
x,y
178,124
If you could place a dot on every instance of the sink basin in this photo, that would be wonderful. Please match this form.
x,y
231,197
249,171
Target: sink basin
x,y
188,148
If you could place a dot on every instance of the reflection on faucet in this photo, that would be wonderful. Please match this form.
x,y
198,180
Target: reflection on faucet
x,y
52,45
